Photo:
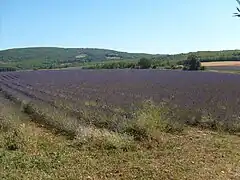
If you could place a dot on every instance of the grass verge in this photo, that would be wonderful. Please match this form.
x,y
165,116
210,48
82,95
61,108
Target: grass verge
x,y
97,153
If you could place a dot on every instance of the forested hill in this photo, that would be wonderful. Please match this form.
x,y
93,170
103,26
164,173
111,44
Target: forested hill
x,y
205,56
45,56
52,57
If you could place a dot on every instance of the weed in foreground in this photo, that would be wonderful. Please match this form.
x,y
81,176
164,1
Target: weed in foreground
x,y
150,121
52,118
13,139
209,122
91,137
5,124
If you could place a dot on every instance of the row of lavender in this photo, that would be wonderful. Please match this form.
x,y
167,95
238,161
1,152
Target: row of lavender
x,y
213,93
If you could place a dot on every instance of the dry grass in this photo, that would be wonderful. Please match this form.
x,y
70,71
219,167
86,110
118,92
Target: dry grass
x,y
221,63
102,154
151,120
91,137
193,155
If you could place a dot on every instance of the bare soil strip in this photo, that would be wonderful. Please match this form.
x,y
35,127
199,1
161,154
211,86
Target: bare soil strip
x,y
222,63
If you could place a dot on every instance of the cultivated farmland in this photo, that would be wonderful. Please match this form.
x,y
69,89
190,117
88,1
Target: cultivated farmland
x,y
142,123
223,66
77,89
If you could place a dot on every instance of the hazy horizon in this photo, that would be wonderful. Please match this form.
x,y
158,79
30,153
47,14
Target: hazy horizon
x,y
111,49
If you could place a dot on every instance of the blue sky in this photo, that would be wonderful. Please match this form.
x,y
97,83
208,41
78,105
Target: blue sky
x,y
152,26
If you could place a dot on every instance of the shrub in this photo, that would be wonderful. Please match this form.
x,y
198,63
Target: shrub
x,y
145,63
150,120
192,63
202,68
210,122
154,67
137,131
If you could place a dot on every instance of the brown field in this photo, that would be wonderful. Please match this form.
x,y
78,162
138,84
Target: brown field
x,y
222,63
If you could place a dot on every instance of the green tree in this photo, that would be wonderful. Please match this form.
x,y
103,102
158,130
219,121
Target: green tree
x,y
145,63
192,63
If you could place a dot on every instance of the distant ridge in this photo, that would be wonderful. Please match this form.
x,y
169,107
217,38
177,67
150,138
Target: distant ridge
x,y
45,57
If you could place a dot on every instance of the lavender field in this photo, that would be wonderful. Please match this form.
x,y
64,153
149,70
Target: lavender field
x,y
213,94
119,124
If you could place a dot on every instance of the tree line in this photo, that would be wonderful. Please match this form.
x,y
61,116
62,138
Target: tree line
x,y
191,63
